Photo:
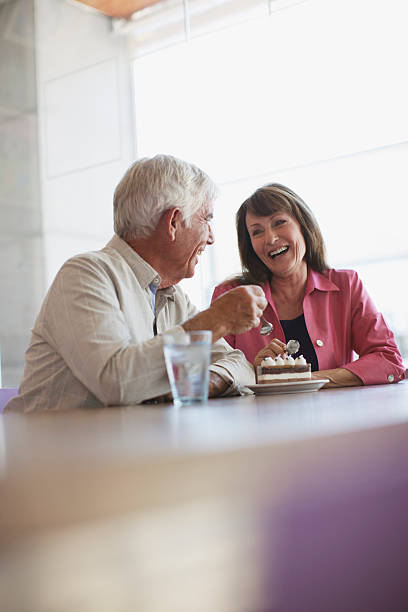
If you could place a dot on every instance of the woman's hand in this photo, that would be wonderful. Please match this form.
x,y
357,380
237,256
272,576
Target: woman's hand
x,y
273,349
338,377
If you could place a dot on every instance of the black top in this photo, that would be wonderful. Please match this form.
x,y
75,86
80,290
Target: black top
x,y
296,329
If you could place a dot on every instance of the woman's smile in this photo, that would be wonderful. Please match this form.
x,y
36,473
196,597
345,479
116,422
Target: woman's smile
x,y
278,251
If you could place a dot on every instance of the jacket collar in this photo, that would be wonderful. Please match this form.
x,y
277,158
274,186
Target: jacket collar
x,y
319,281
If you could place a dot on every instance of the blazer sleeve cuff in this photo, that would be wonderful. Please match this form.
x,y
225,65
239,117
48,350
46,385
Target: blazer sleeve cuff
x,y
375,369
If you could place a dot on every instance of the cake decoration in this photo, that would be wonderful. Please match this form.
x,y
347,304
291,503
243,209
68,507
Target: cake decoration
x,y
283,369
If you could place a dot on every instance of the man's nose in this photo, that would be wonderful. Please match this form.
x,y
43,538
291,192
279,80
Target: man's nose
x,y
210,239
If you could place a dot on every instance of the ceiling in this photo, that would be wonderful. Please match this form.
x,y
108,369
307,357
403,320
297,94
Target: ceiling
x,y
118,8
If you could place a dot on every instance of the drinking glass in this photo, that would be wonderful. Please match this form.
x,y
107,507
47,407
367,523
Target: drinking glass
x,y
187,362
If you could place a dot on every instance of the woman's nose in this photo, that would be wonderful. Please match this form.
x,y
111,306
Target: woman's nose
x,y
271,235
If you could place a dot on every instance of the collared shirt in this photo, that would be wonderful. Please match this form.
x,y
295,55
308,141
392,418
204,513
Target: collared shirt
x,y
93,343
342,321
153,290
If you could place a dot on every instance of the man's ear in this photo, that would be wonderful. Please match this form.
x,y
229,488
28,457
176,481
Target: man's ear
x,y
171,220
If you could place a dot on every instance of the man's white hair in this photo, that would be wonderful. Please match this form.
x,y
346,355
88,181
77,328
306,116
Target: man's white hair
x,y
153,185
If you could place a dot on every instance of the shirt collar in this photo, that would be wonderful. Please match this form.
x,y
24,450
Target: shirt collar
x,y
144,272
319,281
315,280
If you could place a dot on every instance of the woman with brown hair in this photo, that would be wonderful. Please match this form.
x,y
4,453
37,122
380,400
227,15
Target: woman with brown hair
x,y
328,311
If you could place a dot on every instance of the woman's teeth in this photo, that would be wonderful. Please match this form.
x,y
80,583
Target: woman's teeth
x,y
278,251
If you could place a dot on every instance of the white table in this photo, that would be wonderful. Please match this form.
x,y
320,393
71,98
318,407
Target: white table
x,y
211,508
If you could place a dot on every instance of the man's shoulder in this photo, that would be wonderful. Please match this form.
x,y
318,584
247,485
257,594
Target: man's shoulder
x,y
91,261
105,257
106,266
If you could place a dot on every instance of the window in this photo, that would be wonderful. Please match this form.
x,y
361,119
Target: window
x,y
314,96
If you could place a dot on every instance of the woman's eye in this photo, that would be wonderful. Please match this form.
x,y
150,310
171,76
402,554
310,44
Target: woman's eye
x,y
256,232
280,221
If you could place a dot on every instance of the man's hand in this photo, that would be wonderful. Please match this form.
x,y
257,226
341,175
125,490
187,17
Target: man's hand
x,y
234,312
240,309
160,399
217,385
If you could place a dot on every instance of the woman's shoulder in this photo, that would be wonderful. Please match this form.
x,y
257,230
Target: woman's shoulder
x,y
229,283
334,274
342,277
226,285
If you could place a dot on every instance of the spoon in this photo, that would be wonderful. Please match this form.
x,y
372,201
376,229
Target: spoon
x,y
266,328
292,346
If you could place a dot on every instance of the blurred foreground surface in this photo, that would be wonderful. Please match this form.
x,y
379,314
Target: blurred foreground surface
x,y
290,503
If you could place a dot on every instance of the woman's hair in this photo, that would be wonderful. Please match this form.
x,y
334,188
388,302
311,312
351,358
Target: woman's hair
x,y
264,202
153,185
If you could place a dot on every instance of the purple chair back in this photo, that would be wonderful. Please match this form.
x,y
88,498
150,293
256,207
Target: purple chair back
x,y
5,395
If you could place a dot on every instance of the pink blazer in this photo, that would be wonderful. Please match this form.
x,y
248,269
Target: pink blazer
x,y
341,320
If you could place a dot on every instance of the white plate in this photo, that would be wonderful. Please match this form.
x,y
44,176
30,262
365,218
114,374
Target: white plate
x,y
297,386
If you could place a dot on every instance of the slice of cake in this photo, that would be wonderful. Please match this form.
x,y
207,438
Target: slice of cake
x,y
283,369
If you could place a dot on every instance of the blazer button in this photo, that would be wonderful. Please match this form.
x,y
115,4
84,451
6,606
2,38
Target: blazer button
x,y
390,377
319,342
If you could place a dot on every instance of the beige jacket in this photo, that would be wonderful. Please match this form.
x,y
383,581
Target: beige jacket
x,y
92,344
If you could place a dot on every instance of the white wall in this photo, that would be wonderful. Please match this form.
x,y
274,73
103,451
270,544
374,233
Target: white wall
x,y
21,263
86,127
66,137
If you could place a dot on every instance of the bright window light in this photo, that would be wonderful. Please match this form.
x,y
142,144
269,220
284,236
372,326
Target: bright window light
x,y
313,96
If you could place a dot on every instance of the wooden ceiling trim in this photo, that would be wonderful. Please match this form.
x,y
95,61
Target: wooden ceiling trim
x,y
118,8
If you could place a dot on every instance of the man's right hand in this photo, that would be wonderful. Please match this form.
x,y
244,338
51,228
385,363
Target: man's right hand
x,y
234,312
239,309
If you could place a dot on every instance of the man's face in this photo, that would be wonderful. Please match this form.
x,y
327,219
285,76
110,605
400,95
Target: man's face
x,y
194,239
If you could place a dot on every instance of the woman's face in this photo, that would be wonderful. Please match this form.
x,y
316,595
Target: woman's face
x,y
278,242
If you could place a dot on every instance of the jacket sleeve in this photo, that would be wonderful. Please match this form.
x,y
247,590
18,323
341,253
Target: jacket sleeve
x,y
86,326
218,291
379,358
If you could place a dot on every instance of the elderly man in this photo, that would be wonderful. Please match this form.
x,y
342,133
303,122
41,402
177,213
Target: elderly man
x,y
97,339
